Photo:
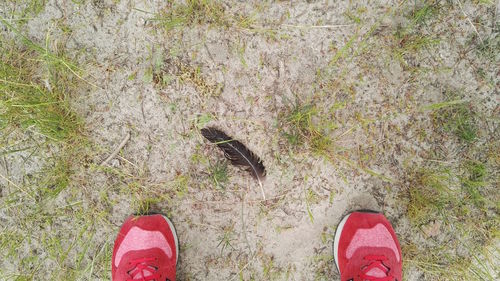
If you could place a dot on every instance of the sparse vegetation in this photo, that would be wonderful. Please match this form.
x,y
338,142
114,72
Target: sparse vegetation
x,y
310,198
193,12
24,10
363,76
300,128
457,119
430,195
147,206
459,200
412,37
38,121
35,87
226,239
325,265
218,174
467,221
30,101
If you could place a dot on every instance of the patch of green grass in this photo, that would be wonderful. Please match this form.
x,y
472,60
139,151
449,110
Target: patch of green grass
x,y
147,205
305,127
226,239
311,197
488,48
423,12
202,120
299,124
457,118
430,195
465,206
418,15
177,16
410,37
55,176
300,127
193,12
25,10
457,199
218,174
438,263
180,185
271,271
36,85
28,103
411,45
473,181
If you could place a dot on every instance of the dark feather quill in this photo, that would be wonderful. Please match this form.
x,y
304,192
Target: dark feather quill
x,y
236,152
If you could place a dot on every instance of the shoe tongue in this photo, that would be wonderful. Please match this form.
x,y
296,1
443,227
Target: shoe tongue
x,y
376,272
141,274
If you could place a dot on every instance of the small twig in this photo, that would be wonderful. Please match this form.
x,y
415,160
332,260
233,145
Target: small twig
x,y
16,186
252,258
128,161
470,22
117,150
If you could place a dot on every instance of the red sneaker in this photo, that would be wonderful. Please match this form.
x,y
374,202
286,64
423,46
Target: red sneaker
x,y
146,248
366,248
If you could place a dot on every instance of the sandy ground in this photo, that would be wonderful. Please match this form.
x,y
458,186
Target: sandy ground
x,y
242,80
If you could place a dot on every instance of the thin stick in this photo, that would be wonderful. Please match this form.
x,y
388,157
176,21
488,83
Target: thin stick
x,y
126,160
252,258
117,150
16,186
468,19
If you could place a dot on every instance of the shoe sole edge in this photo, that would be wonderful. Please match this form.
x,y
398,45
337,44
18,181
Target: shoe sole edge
x,y
336,240
176,239
338,232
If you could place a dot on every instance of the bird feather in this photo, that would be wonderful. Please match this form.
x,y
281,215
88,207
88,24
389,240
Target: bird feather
x,y
237,153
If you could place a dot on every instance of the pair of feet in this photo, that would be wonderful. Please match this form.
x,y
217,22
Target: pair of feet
x,y
365,248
